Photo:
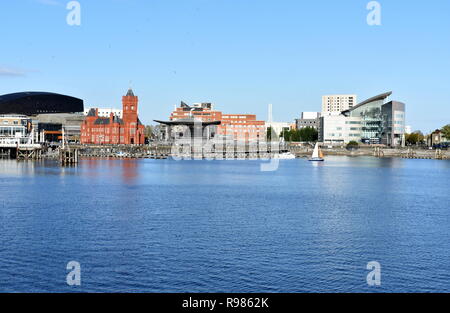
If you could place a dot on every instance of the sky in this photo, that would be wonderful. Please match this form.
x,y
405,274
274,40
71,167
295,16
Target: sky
x,y
239,54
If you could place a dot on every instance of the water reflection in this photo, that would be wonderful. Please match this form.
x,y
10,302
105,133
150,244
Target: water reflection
x,y
236,228
130,170
125,169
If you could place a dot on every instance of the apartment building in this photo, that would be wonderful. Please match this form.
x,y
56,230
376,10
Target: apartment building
x,y
337,103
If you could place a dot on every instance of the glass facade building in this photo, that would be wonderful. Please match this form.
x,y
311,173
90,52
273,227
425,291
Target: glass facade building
x,y
393,123
382,121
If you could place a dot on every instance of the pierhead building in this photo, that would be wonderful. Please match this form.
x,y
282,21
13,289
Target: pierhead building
x,y
127,130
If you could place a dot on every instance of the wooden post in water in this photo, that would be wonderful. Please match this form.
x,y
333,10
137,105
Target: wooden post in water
x,y
378,152
68,156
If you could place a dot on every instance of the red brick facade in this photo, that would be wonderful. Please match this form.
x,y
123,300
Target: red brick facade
x,y
239,126
114,130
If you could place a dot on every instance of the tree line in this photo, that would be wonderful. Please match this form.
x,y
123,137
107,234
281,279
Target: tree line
x,y
417,137
306,134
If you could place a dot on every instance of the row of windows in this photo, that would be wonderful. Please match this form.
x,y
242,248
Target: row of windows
x,y
106,130
7,131
351,128
242,126
5,122
106,138
235,116
341,135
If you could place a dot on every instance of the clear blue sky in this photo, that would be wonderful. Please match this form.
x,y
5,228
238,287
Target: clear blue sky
x,y
239,54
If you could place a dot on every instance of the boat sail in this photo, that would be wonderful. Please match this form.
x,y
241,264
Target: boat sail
x,y
317,154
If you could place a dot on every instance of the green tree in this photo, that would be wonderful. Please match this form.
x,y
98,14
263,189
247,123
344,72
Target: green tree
x,y
414,138
286,135
352,145
446,131
295,135
148,131
270,134
308,134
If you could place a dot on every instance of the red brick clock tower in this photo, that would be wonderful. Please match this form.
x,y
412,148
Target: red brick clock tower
x,y
133,133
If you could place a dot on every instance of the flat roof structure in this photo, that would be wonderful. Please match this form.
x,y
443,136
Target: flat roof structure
x,y
189,122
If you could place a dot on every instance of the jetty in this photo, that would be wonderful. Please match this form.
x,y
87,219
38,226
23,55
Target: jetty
x,y
20,149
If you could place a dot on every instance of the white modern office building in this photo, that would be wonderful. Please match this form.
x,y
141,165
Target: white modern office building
x,y
337,103
374,121
340,129
106,112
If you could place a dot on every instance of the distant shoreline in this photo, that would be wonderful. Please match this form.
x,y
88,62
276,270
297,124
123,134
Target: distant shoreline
x,y
403,153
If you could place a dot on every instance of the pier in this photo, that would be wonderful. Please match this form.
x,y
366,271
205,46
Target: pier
x,y
15,149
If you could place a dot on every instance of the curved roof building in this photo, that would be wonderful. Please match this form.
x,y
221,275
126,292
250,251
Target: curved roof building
x,y
34,103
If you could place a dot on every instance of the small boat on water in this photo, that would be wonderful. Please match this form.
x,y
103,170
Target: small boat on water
x,y
317,155
285,156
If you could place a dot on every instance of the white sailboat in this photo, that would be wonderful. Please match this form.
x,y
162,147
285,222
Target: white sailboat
x,y
317,155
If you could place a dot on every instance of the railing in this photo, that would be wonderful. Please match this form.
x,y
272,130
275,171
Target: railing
x,y
15,141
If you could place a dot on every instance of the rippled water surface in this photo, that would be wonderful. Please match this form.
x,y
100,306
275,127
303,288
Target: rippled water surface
x,y
225,226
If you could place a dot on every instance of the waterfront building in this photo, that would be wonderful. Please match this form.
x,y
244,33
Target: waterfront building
x,y
393,130
337,103
437,138
339,129
240,127
105,112
382,120
14,128
115,130
48,112
50,126
374,121
186,130
309,119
